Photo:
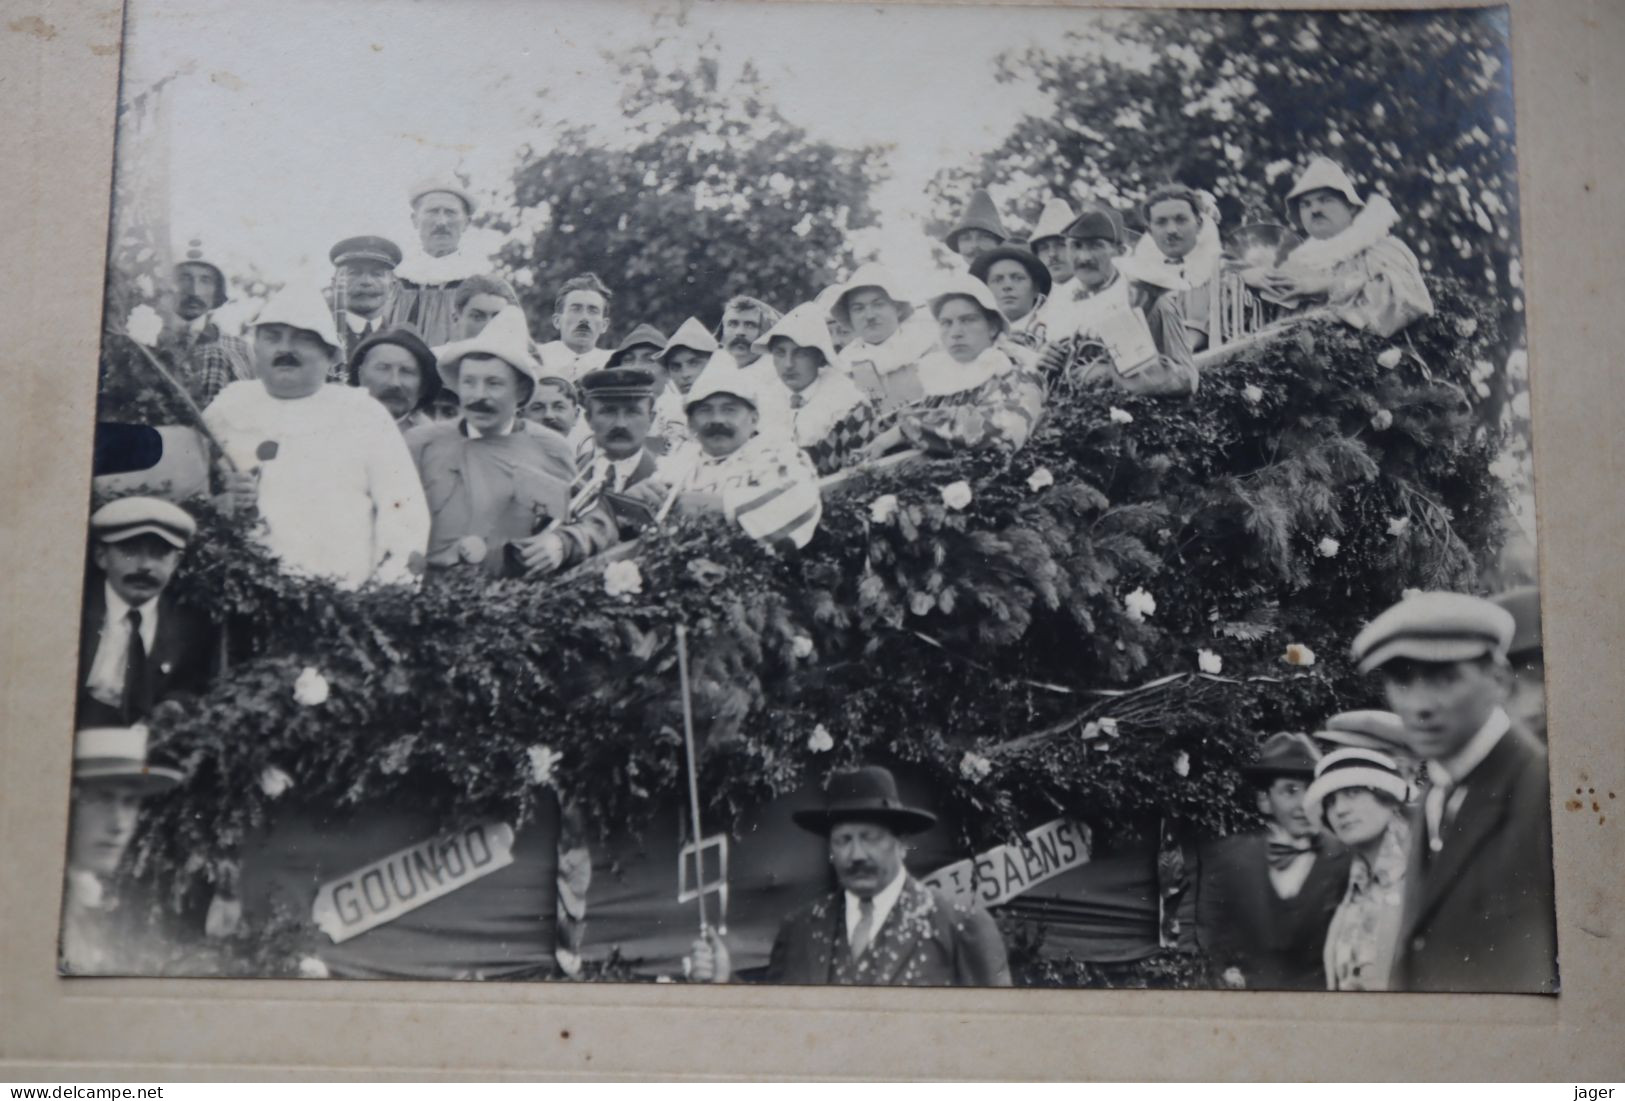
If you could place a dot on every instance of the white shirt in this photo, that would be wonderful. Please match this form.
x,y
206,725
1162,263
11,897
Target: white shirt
x,y
913,338
558,358
340,498
1288,881
828,398
106,677
884,901
623,469
435,271
1447,791
1073,309
358,324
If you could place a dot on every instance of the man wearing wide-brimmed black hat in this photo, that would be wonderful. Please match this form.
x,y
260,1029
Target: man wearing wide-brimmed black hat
x,y
399,370
882,927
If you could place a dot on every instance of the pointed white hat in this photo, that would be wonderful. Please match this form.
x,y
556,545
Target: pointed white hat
x,y
1052,221
804,326
722,375
967,286
690,334
505,336
872,275
301,306
1323,173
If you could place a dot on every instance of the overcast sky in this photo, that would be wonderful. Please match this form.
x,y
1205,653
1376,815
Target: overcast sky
x,y
304,121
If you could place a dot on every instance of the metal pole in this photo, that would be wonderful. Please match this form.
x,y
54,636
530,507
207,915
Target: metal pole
x,y
693,775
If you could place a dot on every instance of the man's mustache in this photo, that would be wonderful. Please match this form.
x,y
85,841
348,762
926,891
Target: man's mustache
x,y
717,431
479,405
285,359
618,434
584,327
193,300
392,393
739,342
140,577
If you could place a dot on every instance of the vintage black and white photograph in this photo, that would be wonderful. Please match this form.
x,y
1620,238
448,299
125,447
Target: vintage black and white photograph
x,y
703,491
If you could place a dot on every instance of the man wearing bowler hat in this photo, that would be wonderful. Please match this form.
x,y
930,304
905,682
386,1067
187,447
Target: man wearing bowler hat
x,y
399,370
1479,906
1020,284
881,927
1266,898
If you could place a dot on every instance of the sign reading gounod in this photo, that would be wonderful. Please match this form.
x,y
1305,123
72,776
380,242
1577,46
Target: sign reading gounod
x,y
1002,873
382,891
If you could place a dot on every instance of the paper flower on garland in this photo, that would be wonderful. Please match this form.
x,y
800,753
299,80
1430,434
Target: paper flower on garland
x,y
1099,728
1209,662
883,508
1140,604
274,782
543,760
623,579
1389,358
311,967
1398,525
1252,393
472,550
1298,654
1382,420
975,767
1328,547
144,325
1182,764
922,603
820,742
310,688
802,647
956,495
1040,479
1121,416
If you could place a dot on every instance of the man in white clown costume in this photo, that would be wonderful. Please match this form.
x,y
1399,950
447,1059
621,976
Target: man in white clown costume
x,y
429,275
830,418
767,485
889,337
1352,263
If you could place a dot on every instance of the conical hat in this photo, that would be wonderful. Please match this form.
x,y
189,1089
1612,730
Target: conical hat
x,y
872,275
643,334
1322,173
1052,221
301,306
803,326
828,297
690,334
505,336
722,375
981,214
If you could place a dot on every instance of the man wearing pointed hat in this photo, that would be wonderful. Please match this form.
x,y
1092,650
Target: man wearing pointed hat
x,y
322,464
428,276
765,484
978,228
137,646
1479,903
399,370
498,485
889,337
1352,263
1266,898
830,418
363,280
1048,240
686,354
581,314
880,926
204,359
112,776
1021,284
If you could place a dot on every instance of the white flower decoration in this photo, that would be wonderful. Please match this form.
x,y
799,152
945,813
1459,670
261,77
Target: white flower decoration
x,y
543,760
1040,479
956,495
1468,326
310,688
974,766
472,549
1398,525
623,578
274,782
1328,547
310,967
1299,654
1182,764
1090,731
1382,420
1252,393
1140,604
1121,416
821,741
144,325
802,647
1389,358
883,508
1209,662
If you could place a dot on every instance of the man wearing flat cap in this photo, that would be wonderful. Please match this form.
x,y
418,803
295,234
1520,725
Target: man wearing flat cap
x,y
136,645
399,370
322,464
428,276
112,776
1266,899
881,926
363,280
620,467
204,359
1479,903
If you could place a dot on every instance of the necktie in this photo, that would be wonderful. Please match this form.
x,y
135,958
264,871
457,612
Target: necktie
x,y
612,479
135,670
1281,854
797,400
865,928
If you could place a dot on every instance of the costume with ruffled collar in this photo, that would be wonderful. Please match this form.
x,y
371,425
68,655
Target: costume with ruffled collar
x,y
1376,280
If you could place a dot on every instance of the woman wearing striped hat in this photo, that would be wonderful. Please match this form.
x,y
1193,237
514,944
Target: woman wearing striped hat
x,y
1360,795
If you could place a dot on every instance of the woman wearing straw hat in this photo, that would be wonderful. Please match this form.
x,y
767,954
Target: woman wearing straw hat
x,y
1360,795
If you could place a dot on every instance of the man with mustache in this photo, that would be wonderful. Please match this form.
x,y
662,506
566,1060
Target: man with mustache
x,y
581,315
766,484
1352,264
619,466
643,347
204,359
881,926
398,369
890,338
744,320
498,484
322,465
363,280
428,278
136,645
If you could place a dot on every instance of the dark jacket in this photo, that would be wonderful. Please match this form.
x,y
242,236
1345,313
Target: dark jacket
x,y
1480,913
926,941
1275,942
179,662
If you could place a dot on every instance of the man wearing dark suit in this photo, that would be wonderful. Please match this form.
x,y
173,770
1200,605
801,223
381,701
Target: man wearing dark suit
x,y
1266,899
619,467
1479,912
363,281
136,646
882,927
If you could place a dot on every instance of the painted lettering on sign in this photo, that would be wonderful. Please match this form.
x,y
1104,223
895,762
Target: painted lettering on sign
x,y
402,881
1000,874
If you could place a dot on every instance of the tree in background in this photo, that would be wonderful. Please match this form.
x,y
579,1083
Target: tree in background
x,y
706,192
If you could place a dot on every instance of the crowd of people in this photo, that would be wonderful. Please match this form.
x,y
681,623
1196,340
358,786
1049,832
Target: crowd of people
x,y
405,420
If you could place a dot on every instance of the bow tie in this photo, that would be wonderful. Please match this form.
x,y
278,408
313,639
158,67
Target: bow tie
x,y
1281,854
